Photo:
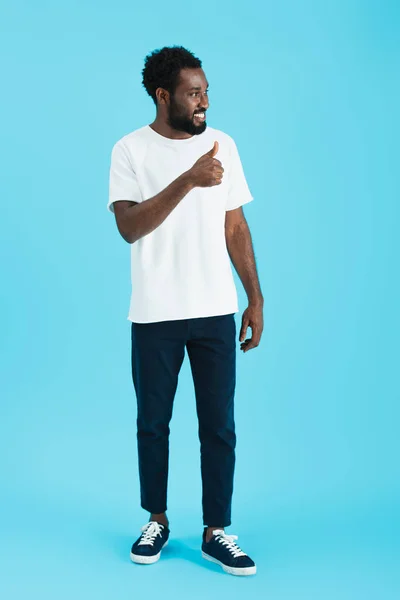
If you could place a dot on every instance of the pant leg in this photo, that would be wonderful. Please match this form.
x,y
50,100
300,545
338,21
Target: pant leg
x,y
158,351
212,354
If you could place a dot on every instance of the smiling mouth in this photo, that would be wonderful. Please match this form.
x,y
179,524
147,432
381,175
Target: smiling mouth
x,y
200,116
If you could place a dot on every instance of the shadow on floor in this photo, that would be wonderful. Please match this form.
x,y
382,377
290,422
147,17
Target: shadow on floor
x,y
188,549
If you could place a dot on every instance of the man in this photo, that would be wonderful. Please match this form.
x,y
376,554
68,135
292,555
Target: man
x,y
177,188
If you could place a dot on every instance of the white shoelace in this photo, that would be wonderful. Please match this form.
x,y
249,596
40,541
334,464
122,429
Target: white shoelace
x,y
150,532
229,542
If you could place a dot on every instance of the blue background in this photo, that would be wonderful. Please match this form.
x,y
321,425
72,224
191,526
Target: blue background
x,y
310,93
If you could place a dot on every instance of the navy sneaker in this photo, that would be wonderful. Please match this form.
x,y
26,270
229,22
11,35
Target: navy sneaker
x,y
147,548
223,550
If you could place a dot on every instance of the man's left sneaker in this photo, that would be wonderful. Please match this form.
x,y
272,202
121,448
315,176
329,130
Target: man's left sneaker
x,y
223,550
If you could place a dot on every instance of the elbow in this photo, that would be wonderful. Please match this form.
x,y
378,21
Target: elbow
x,y
128,236
130,239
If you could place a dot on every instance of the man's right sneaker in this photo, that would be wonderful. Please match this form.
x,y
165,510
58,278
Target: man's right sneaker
x,y
147,548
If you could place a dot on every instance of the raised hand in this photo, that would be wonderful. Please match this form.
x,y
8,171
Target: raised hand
x,y
207,171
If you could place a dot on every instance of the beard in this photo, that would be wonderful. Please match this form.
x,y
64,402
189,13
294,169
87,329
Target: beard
x,y
181,122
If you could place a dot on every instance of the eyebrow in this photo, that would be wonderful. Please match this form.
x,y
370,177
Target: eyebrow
x,y
198,87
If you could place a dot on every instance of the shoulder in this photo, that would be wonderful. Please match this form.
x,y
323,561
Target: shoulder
x,y
133,139
131,147
220,136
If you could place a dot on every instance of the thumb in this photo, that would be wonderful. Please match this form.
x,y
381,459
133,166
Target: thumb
x,y
243,329
213,150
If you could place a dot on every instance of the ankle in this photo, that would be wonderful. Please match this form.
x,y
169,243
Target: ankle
x,y
209,532
160,518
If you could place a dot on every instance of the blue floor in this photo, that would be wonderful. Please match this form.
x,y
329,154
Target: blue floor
x,y
75,550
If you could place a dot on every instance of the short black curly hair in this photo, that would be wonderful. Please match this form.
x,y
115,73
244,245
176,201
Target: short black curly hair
x,y
162,67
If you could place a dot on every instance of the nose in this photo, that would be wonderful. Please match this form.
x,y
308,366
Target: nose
x,y
204,104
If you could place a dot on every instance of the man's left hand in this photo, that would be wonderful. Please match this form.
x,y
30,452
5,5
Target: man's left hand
x,y
253,318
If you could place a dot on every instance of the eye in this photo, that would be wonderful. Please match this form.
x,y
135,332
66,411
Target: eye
x,y
192,94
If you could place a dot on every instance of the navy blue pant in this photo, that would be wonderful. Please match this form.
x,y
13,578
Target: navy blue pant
x,y
158,350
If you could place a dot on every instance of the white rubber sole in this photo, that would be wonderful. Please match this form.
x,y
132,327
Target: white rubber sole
x,y
146,560
231,570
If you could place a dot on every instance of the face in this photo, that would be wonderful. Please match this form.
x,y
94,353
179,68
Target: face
x,y
188,105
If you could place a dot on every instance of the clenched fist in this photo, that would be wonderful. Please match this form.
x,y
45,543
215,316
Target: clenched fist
x,y
207,170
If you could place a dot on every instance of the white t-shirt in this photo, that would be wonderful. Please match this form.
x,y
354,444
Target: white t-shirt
x,y
182,269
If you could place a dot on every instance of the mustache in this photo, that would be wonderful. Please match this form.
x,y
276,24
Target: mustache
x,y
200,112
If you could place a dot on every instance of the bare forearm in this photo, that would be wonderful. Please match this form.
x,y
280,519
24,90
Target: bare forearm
x,y
240,248
143,218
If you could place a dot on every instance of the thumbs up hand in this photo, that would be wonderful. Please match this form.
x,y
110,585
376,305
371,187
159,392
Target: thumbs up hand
x,y
207,171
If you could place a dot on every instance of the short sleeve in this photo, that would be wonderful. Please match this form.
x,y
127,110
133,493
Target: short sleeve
x,y
238,192
123,184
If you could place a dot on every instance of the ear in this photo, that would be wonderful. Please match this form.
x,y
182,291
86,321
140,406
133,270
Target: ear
x,y
162,96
